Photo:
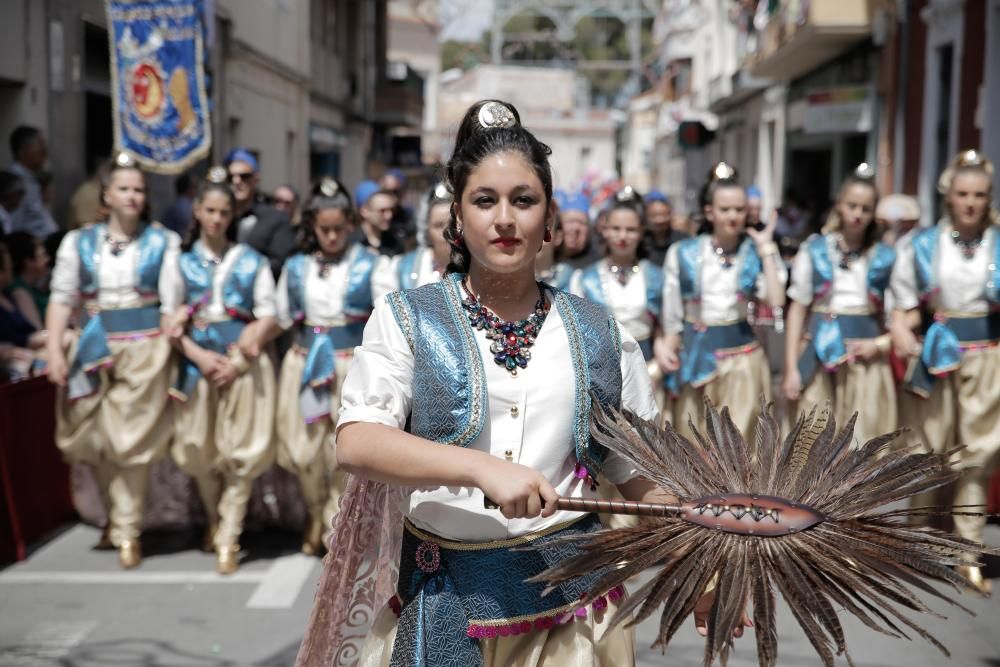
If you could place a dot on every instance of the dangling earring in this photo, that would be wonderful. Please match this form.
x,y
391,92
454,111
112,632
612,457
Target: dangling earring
x,y
548,235
458,241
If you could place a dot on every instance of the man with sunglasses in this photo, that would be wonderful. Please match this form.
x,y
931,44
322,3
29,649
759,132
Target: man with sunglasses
x,y
262,227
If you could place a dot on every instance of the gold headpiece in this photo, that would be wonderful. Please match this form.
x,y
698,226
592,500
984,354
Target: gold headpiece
x,y
328,187
723,172
627,194
864,171
441,192
125,161
496,114
217,175
967,158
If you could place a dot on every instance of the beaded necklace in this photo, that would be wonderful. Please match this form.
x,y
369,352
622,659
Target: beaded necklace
x,y
511,340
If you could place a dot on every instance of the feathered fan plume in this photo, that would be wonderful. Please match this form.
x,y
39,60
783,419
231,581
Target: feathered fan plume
x,y
854,558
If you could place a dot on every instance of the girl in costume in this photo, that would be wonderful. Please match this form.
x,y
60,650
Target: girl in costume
x,y
492,374
944,286
842,276
113,410
325,294
623,281
426,264
708,346
222,294
549,267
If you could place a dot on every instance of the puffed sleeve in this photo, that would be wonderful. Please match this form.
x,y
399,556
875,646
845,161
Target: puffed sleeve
x,y
65,283
637,397
283,308
385,276
782,270
378,386
171,284
576,283
903,283
673,305
801,289
264,294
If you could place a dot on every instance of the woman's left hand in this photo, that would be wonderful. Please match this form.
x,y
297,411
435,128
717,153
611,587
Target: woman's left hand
x,y
865,350
702,609
249,342
764,236
225,374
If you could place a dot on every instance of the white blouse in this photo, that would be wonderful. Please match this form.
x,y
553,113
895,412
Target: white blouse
x,y
324,295
530,415
849,291
117,276
175,292
386,277
962,282
626,302
719,298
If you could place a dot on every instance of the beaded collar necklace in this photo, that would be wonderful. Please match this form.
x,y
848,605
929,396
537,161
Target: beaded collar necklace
x,y
511,340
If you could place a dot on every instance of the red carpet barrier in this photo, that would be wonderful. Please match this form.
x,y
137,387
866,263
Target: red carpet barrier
x,y
34,481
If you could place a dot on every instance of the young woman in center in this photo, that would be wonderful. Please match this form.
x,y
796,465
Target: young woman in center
x,y
325,296
710,279
223,295
842,276
492,376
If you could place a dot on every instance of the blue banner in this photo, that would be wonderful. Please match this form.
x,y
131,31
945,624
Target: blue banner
x,y
161,111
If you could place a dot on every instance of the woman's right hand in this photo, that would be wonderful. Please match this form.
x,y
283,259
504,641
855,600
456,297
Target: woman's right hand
x,y
57,369
520,491
666,354
209,363
905,343
792,384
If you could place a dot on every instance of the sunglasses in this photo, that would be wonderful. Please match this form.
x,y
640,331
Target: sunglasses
x,y
235,176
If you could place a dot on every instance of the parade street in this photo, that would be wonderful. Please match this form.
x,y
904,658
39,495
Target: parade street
x,y
68,606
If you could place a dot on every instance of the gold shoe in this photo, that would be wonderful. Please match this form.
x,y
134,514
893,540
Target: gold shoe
x,y
227,559
208,539
104,543
129,554
312,539
976,581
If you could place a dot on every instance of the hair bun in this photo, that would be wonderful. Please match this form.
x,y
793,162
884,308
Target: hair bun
x,y
865,172
217,175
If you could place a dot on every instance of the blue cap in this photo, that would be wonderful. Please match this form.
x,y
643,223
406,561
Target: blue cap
x,y
242,155
398,175
656,195
560,197
753,192
577,202
364,192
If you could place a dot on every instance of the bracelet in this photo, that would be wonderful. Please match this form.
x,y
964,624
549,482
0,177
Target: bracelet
x,y
767,249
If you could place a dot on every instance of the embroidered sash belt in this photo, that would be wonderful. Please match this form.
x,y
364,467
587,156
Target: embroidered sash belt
x,y
92,351
321,343
828,333
945,341
451,594
704,345
217,336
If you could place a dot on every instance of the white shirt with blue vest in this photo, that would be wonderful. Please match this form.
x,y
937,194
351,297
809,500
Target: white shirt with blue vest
x,y
535,418
414,269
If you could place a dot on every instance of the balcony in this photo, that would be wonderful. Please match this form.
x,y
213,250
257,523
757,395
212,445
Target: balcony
x,y
399,97
800,36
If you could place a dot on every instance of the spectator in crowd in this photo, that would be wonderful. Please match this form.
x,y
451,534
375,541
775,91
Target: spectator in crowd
x,y
85,206
754,202
376,207
18,336
27,145
262,227
403,226
178,214
579,249
29,288
11,194
660,231
898,216
285,198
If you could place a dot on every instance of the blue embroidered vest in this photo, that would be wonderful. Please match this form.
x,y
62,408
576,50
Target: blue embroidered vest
x,y
357,292
828,345
408,270
152,242
689,254
450,398
593,289
237,288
